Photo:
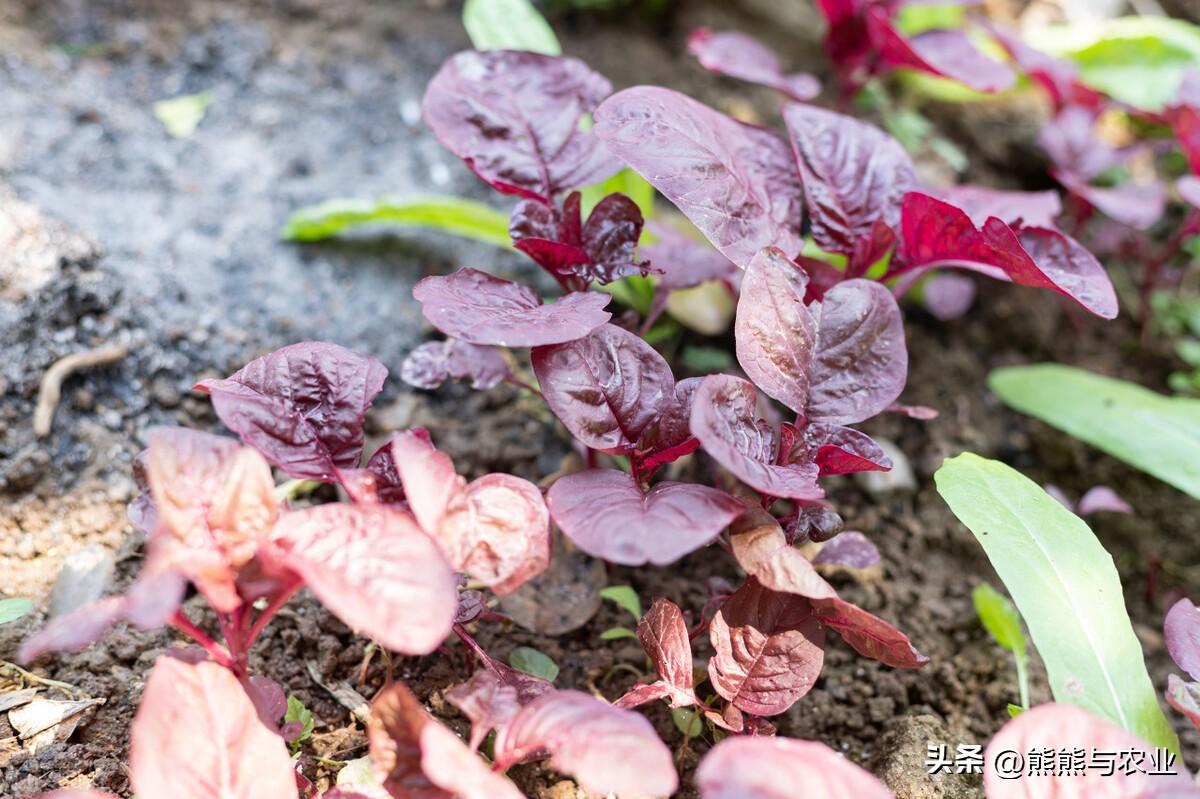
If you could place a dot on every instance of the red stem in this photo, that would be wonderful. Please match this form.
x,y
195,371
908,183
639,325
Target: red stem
x,y
216,651
277,602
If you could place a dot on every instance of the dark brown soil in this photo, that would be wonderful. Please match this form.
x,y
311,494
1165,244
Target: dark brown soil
x,y
930,563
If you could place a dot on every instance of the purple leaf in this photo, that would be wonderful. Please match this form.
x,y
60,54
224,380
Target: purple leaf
x,y
768,648
754,767
575,253
514,117
302,406
669,437
936,234
736,183
723,420
835,449
197,735
434,362
1182,632
605,513
851,549
387,485
486,701
606,388
481,309
663,634
685,261
868,634
606,749
375,570
1139,205
1100,498
268,696
946,53
853,175
948,296
1071,142
745,58
75,630
1038,208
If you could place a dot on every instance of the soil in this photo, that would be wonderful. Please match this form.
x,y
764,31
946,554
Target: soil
x,y
171,247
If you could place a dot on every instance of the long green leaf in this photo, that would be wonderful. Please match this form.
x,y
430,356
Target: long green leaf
x,y
509,25
1159,435
452,215
1066,587
13,609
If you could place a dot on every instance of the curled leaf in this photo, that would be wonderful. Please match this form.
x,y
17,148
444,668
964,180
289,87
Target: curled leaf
x,y
435,362
481,309
302,406
663,634
501,537
744,57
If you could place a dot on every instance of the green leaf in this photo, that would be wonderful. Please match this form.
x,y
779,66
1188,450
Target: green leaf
x,y
1158,434
1136,60
999,617
531,661
688,721
917,18
13,609
1014,710
625,597
1066,588
509,25
614,633
635,291
358,772
296,711
182,115
704,360
452,215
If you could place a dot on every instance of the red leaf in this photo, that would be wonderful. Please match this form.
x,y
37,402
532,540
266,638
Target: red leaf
x,y
769,649
723,420
375,570
481,309
868,634
435,362
936,234
514,117
606,749
601,250
664,636
415,757
853,175
944,52
302,406
744,57
736,183
772,768
837,450
1181,629
605,513
197,735
606,388
1049,727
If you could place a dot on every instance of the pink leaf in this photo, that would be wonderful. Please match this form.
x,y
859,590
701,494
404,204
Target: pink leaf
x,y
1071,141
761,548
1049,726
768,649
514,117
936,234
1184,697
723,420
853,175
851,549
71,793
944,52
607,388
772,768
481,309
663,634
605,513
868,634
486,701
1184,116
431,485
736,183
1100,498
606,749
435,362
1182,632
375,570
1188,186
1039,208
744,57
302,406
197,735
501,536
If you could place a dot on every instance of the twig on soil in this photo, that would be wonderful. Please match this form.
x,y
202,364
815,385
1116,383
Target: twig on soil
x,y
50,391
346,696
30,677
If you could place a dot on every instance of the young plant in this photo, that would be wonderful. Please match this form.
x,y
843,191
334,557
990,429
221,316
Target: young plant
x,y
1003,624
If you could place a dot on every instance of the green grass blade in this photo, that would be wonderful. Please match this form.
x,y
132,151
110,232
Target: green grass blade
x,y
452,215
1158,434
1067,589
509,25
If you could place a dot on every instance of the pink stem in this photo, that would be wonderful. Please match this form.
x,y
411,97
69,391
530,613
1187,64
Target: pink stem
x,y
216,651
277,602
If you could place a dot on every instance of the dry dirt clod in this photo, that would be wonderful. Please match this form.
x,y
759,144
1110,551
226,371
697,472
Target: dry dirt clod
x,y
902,755
560,599
83,578
50,391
